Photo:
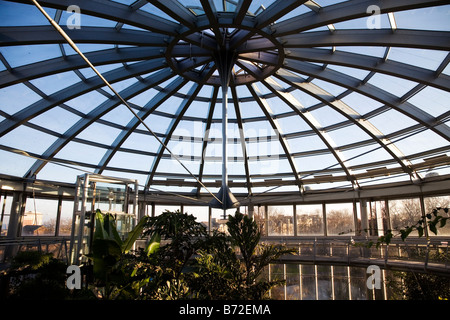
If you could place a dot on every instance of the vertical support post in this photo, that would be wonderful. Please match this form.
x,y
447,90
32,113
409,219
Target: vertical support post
x,y
422,208
58,215
295,220
3,211
210,220
355,216
75,218
364,219
266,218
300,280
141,210
136,199
153,209
81,221
324,213
224,144
251,210
15,220
387,217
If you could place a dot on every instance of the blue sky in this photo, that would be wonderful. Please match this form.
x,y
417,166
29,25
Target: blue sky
x,y
58,119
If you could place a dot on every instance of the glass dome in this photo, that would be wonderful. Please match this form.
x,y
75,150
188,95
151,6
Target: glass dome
x,y
322,95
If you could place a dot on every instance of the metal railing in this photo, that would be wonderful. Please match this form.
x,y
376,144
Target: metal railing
x,y
58,246
415,254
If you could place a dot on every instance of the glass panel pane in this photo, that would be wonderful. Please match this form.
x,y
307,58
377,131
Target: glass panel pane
x,y
340,220
405,212
309,219
281,220
308,282
341,283
40,217
439,202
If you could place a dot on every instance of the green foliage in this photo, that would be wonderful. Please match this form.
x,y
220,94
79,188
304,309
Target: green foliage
x,y
30,260
227,273
432,221
420,286
180,261
35,275
108,253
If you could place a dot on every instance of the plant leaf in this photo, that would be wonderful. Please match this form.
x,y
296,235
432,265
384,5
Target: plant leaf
x,y
420,230
153,244
433,227
133,235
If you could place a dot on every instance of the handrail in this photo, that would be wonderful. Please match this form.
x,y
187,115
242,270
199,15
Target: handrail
x,y
397,255
38,242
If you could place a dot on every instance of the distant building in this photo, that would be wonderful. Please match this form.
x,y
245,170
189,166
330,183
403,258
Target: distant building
x,y
31,222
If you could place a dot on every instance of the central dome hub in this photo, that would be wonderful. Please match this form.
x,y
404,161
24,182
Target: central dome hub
x,y
224,53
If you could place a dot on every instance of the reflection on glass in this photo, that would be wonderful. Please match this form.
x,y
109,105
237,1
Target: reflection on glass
x,y
309,219
281,220
340,219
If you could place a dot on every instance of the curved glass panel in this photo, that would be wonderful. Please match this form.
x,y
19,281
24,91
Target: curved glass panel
x,y
321,94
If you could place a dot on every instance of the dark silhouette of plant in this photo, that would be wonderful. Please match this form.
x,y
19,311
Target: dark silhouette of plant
x,y
34,275
232,266
420,286
432,221
181,237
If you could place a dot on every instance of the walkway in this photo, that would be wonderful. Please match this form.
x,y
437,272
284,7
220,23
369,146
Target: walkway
x,y
415,254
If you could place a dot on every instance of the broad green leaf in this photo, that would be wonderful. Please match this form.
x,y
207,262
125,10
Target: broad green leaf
x,y
405,233
99,222
433,227
153,244
133,235
420,230
388,237
112,230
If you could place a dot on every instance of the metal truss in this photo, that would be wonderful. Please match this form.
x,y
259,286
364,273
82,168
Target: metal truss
x,y
272,53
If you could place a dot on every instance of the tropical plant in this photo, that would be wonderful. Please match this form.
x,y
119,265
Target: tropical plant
x,y
232,266
34,275
420,286
432,221
182,236
111,261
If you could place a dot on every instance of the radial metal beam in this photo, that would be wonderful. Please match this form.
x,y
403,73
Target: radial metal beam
x,y
193,92
115,11
373,92
276,10
262,103
176,10
150,107
380,65
29,35
73,62
212,105
422,39
241,10
295,105
356,119
76,90
242,138
346,10
95,115
211,12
